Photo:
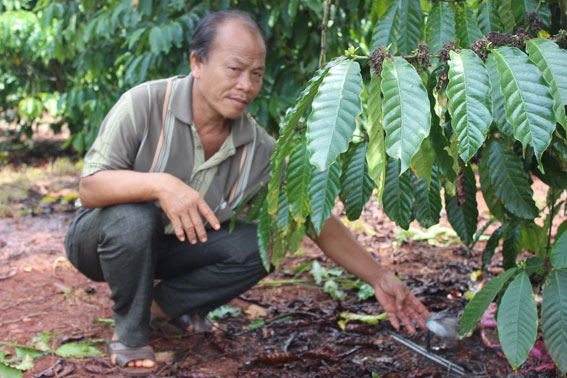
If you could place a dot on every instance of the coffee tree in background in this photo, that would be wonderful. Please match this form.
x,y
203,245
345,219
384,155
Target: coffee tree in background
x,y
73,59
490,103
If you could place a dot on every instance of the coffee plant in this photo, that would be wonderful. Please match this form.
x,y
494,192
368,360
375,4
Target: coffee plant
x,y
488,105
435,99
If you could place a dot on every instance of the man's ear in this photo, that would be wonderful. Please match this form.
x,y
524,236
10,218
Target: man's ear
x,y
196,65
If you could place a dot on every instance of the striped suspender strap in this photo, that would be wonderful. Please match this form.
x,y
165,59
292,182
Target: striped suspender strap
x,y
163,119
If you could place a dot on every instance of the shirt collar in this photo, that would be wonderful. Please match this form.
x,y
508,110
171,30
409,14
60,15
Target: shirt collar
x,y
242,128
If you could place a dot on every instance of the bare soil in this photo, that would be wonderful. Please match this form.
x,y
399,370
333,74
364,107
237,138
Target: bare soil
x,y
41,292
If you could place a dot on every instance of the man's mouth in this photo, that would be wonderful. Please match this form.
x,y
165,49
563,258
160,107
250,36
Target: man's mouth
x,y
239,101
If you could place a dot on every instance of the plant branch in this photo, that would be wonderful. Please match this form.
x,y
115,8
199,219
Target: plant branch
x,y
551,215
324,32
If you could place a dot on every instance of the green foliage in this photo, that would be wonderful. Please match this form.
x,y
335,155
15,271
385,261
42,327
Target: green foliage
x,y
529,105
517,320
480,302
463,212
559,252
404,120
512,185
356,185
469,101
554,317
398,195
335,108
440,27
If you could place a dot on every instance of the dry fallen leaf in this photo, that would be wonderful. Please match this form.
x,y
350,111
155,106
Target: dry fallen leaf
x,y
254,311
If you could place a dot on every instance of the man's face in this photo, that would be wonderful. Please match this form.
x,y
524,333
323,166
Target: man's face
x,y
229,79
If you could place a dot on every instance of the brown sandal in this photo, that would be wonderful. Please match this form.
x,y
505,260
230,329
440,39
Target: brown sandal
x,y
125,354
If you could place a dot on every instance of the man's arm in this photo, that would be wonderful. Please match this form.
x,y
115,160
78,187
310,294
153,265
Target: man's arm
x,y
182,204
400,304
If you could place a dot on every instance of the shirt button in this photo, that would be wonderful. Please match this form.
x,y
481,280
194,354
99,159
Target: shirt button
x,y
198,147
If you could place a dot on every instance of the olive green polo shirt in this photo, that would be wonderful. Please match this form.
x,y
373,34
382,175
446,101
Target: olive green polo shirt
x,y
134,129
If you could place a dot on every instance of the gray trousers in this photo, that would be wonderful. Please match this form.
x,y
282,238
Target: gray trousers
x,y
125,246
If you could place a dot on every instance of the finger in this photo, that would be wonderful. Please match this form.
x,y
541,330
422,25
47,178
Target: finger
x,y
416,316
198,224
401,295
407,322
394,320
178,229
189,228
209,215
417,306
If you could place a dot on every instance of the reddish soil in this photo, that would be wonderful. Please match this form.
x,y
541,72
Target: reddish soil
x,y
41,292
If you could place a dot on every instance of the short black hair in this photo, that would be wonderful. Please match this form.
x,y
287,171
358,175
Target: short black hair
x,y
206,29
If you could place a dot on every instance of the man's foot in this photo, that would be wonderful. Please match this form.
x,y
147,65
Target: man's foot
x,y
185,324
134,362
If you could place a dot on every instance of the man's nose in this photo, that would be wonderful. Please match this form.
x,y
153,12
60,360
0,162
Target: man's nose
x,y
245,82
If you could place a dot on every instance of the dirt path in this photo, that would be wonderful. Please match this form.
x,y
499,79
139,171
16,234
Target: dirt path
x,y
297,334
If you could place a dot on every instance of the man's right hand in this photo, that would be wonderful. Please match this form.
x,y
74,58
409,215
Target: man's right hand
x,y
182,204
184,207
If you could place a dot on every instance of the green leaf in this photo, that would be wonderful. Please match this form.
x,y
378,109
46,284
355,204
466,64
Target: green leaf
x,y
511,183
25,364
517,320
533,238
498,100
555,175
77,350
529,105
490,247
387,29
404,118
283,217
9,372
222,311
559,252
317,272
512,245
264,232
282,144
323,190
488,17
365,291
376,152
467,26
298,176
521,7
550,59
332,288
427,203
554,317
335,108
469,101
422,162
464,219
356,185
156,40
398,194
492,202
411,23
506,15
255,205
481,300
440,26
